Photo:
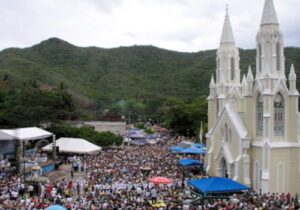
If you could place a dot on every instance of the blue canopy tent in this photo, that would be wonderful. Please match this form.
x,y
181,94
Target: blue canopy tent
x,y
199,145
138,143
189,162
133,130
192,150
176,148
152,136
217,185
137,136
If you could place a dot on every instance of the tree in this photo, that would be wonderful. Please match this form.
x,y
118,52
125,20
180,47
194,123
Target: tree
x,y
32,106
133,109
184,118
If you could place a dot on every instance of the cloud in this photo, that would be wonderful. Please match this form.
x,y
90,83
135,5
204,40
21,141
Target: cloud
x,y
185,25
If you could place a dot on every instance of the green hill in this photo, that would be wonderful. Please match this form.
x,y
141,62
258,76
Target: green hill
x,y
104,76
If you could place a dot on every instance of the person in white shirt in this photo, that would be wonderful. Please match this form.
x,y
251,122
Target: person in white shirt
x,y
153,195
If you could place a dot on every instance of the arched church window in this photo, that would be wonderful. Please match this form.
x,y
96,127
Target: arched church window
x,y
278,115
232,66
226,133
260,117
278,56
259,51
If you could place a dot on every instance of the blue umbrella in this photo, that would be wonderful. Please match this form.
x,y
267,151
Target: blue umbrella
x,y
56,207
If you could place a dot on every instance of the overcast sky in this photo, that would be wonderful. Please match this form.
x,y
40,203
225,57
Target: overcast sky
x,y
181,25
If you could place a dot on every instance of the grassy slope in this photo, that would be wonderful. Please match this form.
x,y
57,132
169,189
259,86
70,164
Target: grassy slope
x,y
112,74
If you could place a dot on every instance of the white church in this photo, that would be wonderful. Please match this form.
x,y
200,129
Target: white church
x,y
253,123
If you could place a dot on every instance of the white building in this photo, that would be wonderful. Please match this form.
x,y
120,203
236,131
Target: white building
x,y
253,122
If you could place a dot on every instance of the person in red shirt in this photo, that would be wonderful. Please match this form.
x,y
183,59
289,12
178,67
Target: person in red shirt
x,y
48,191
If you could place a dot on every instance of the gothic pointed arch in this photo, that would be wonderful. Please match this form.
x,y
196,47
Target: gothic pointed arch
x,y
278,115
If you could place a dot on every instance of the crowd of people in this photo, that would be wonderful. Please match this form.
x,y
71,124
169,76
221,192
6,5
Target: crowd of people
x,y
119,179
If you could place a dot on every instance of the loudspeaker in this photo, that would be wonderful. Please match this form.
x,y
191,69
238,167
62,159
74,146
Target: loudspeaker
x,y
57,149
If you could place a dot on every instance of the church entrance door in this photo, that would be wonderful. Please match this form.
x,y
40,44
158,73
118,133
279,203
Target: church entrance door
x,y
223,168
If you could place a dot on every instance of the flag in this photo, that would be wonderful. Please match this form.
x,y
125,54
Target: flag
x,y
201,133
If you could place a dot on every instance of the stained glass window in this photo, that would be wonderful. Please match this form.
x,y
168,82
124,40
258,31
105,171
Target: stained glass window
x,y
260,117
278,115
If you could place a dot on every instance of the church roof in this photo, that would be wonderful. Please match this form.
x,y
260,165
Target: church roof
x,y
227,33
269,14
235,119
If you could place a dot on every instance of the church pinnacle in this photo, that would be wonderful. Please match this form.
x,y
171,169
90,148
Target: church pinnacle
x,y
269,14
227,34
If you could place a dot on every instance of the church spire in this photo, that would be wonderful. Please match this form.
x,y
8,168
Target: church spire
x,y
212,82
228,67
270,50
227,33
292,80
292,75
250,77
269,14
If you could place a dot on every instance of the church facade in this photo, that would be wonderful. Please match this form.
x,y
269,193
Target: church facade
x,y
253,122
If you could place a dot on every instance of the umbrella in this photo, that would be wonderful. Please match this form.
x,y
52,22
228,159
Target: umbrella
x,y
56,207
152,142
160,180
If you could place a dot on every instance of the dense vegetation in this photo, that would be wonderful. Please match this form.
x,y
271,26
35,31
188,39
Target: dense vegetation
x,y
32,106
140,82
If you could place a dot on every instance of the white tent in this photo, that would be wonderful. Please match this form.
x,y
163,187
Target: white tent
x,y
73,145
24,134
